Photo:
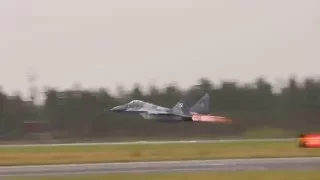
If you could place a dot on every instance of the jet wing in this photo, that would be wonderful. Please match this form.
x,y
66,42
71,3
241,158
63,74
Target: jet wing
x,y
154,112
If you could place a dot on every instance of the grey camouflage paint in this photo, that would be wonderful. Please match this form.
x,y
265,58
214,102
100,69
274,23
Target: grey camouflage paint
x,y
179,112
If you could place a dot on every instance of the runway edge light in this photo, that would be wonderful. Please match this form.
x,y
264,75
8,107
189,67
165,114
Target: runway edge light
x,y
309,140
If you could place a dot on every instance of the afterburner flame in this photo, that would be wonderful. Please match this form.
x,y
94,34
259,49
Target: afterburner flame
x,y
210,118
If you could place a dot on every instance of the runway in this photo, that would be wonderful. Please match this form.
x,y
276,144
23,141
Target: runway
x,y
164,166
151,142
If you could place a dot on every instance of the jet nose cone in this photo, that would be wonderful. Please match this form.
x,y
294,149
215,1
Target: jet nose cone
x,y
118,108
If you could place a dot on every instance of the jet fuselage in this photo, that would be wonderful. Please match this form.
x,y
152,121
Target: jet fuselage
x,y
179,112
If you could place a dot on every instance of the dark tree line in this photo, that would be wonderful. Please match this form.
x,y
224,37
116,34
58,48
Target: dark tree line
x,y
77,113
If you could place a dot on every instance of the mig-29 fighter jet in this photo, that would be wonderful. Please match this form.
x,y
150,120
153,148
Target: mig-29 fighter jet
x,y
179,112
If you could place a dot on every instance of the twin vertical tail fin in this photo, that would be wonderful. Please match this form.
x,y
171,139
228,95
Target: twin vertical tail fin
x,y
202,106
180,108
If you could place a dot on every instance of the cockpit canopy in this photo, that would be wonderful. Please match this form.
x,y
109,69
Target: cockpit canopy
x,y
135,104
135,101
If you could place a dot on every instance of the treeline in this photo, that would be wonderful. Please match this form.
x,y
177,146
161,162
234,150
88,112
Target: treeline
x,y
78,113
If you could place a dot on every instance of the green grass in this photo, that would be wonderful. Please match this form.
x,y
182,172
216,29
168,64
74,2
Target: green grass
x,y
147,152
240,175
268,132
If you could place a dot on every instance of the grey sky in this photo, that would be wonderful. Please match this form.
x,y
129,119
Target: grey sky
x,y
110,42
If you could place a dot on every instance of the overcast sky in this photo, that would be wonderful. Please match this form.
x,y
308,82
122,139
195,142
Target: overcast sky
x,y
109,42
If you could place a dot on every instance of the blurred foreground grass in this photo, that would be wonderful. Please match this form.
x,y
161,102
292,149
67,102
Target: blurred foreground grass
x,y
148,152
239,175
268,132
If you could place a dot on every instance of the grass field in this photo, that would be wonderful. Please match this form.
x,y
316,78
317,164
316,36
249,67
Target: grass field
x,y
240,175
147,152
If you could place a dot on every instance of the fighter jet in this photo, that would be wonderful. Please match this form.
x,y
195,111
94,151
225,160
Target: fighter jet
x,y
179,112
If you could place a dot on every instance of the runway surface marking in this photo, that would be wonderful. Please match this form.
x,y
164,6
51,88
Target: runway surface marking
x,y
151,142
164,166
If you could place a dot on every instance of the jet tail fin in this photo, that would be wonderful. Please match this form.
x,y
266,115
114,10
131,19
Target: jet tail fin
x,y
180,108
202,106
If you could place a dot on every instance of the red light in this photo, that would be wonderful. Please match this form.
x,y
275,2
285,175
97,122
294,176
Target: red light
x,y
312,140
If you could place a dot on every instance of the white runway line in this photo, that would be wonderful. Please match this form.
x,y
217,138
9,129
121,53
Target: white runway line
x,y
151,142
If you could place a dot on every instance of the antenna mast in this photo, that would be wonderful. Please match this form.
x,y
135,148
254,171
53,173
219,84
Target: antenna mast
x,y
32,78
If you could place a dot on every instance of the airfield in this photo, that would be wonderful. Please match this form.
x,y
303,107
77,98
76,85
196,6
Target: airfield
x,y
165,166
266,158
